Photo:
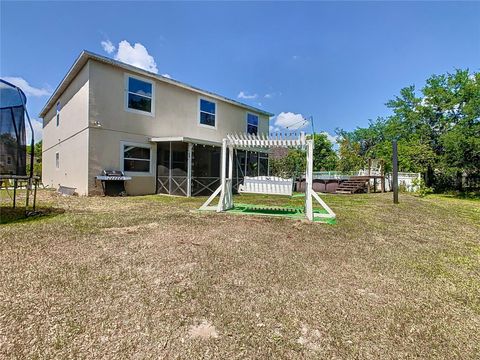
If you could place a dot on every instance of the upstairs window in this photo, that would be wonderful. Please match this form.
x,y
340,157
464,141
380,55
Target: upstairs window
x,y
139,95
57,160
252,124
207,113
136,158
58,113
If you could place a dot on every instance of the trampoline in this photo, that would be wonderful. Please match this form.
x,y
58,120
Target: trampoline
x,y
13,146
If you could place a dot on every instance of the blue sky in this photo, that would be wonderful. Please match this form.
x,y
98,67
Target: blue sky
x,y
336,61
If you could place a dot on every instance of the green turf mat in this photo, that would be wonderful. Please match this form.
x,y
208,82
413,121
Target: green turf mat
x,y
291,212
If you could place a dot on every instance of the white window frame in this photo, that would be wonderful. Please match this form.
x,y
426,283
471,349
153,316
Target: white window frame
x,y
57,160
126,92
246,121
122,158
199,111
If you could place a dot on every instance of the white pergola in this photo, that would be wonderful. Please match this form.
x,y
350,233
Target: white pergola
x,y
264,143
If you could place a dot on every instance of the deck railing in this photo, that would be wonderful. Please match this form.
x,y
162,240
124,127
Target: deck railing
x,y
405,179
334,175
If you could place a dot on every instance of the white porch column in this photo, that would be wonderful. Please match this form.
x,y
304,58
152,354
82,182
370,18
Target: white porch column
x,y
223,177
189,169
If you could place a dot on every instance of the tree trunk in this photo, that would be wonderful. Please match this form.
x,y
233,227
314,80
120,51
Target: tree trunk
x,y
429,177
459,181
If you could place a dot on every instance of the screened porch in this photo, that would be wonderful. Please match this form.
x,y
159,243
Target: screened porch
x,y
190,167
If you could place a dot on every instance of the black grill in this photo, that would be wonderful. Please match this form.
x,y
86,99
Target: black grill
x,y
113,182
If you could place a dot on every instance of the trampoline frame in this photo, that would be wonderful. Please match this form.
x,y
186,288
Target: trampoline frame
x,y
30,180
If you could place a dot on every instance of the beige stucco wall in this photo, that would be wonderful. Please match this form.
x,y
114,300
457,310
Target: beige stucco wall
x,y
105,153
176,109
69,139
73,164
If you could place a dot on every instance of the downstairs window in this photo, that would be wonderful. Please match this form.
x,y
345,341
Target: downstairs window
x,y
136,158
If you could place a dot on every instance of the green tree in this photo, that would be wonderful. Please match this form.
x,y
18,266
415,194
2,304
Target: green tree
x,y
350,154
291,165
324,156
459,142
437,129
37,163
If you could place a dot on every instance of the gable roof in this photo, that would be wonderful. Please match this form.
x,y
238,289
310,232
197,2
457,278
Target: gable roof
x,y
87,55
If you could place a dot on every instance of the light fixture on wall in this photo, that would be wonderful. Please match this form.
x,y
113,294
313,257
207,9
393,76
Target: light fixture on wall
x,y
97,123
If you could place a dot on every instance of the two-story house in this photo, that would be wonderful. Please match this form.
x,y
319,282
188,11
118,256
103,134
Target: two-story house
x,y
163,133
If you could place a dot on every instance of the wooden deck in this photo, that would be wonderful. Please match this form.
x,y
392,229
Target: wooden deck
x,y
358,184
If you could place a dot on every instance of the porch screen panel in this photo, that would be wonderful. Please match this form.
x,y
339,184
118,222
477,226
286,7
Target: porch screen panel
x,y
252,164
239,157
205,169
163,156
262,164
178,185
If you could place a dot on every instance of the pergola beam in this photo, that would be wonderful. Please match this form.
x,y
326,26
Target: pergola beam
x,y
285,140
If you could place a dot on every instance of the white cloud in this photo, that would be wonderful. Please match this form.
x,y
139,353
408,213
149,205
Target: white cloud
x,y
331,138
108,46
37,130
273,129
271,95
291,121
26,87
136,55
244,95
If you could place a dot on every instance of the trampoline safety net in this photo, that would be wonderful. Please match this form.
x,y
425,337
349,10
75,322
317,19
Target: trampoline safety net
x,y
13,150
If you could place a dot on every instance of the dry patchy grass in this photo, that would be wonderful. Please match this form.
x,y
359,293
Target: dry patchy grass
x,y
145,277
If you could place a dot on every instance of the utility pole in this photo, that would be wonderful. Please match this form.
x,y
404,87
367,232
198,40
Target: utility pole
x,y
395,172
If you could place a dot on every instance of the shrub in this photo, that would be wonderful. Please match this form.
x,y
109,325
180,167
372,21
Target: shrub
x,y
422,190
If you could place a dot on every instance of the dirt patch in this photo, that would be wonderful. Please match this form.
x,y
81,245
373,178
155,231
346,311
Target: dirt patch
x,y
203,330
310,338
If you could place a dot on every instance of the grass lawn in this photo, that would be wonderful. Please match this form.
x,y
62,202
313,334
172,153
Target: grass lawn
x,y
146,277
